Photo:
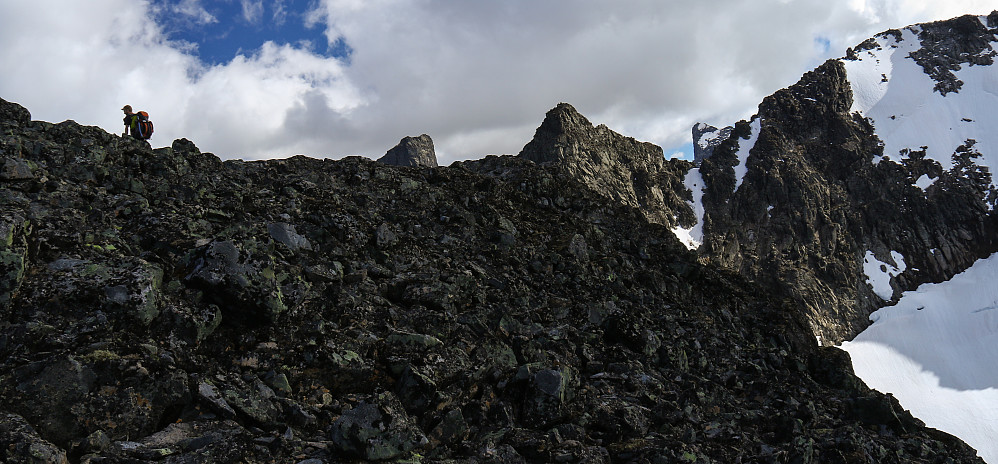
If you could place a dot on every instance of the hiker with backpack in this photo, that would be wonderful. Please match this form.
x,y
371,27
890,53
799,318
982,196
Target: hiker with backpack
x,y
137,124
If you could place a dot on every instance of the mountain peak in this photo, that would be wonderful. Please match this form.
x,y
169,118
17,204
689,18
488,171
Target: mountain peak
x,y
562,126
412,151
617,167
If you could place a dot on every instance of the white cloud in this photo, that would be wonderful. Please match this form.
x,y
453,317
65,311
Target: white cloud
x,y
194,10
252,10
476,76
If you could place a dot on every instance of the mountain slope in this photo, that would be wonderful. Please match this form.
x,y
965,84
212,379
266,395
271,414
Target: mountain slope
x,y
163,305
831,174
870,177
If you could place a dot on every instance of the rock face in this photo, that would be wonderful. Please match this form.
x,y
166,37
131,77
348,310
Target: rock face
x,y
705,139
801,196
620,168
162,305
412,151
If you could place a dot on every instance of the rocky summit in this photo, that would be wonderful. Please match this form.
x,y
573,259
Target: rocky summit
x,y
161,305
818,184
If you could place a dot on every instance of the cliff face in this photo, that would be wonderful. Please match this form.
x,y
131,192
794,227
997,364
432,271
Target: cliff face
x,y
818,185
620,168
165,305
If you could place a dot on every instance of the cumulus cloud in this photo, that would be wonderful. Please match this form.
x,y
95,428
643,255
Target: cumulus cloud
x,y
476,76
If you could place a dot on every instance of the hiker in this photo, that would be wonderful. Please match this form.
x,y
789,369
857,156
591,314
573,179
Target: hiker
x,y
137,124
131,122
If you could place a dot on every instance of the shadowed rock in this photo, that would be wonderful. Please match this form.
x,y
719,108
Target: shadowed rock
x,y
617,167
705,139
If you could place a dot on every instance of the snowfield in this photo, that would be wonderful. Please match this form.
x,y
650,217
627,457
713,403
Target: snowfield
x,y
894,92
936,351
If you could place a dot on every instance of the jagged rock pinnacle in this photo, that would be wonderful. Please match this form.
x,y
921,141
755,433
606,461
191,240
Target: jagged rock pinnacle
x,y
618,167
412,151
705,139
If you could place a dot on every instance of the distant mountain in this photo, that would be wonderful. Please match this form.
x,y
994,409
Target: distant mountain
x,y
705,139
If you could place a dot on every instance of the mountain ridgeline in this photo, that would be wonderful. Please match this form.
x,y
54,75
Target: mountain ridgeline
x,y
163,305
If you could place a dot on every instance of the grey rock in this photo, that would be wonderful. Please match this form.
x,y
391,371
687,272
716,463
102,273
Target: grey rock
x,y
22,443
412,151
15,169
705,139
13,115
210,395
376,429
286,234
619,168
242,283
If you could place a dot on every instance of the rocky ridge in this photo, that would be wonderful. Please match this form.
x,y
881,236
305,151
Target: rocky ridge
x,y
813,200
620,168
165,306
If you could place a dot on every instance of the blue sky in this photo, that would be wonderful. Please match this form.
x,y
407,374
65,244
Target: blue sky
x,y
258,79
222,29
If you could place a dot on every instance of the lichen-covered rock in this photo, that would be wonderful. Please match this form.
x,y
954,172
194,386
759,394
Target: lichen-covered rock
x,y
242,283
13,115
376,429
21,443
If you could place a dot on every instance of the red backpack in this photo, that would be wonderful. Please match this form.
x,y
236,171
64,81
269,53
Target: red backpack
x,y
144,125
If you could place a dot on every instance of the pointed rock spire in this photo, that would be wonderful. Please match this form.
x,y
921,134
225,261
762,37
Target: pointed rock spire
x,y
412,151
705,138
617,167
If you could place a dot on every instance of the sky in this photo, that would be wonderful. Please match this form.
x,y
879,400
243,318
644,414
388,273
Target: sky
x,y
256,79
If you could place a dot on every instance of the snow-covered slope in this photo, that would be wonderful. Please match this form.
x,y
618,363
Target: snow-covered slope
x,y
913,111
937,348
936,351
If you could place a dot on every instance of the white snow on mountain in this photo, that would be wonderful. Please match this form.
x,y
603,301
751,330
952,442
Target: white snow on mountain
x,y
744,146
879,273
924,181
708,137
936,351
693,237
896,94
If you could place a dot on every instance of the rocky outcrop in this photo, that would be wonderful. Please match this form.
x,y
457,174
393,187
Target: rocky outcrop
x,y
494,310
620,168
813,202
412,151
705,139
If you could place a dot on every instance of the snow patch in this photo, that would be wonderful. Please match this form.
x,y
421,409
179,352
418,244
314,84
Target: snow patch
x,y
744,147
705,140
879,273
935,350
693,237
924,182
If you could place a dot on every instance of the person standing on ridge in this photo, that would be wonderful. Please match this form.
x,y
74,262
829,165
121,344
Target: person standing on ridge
x,y
131,122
